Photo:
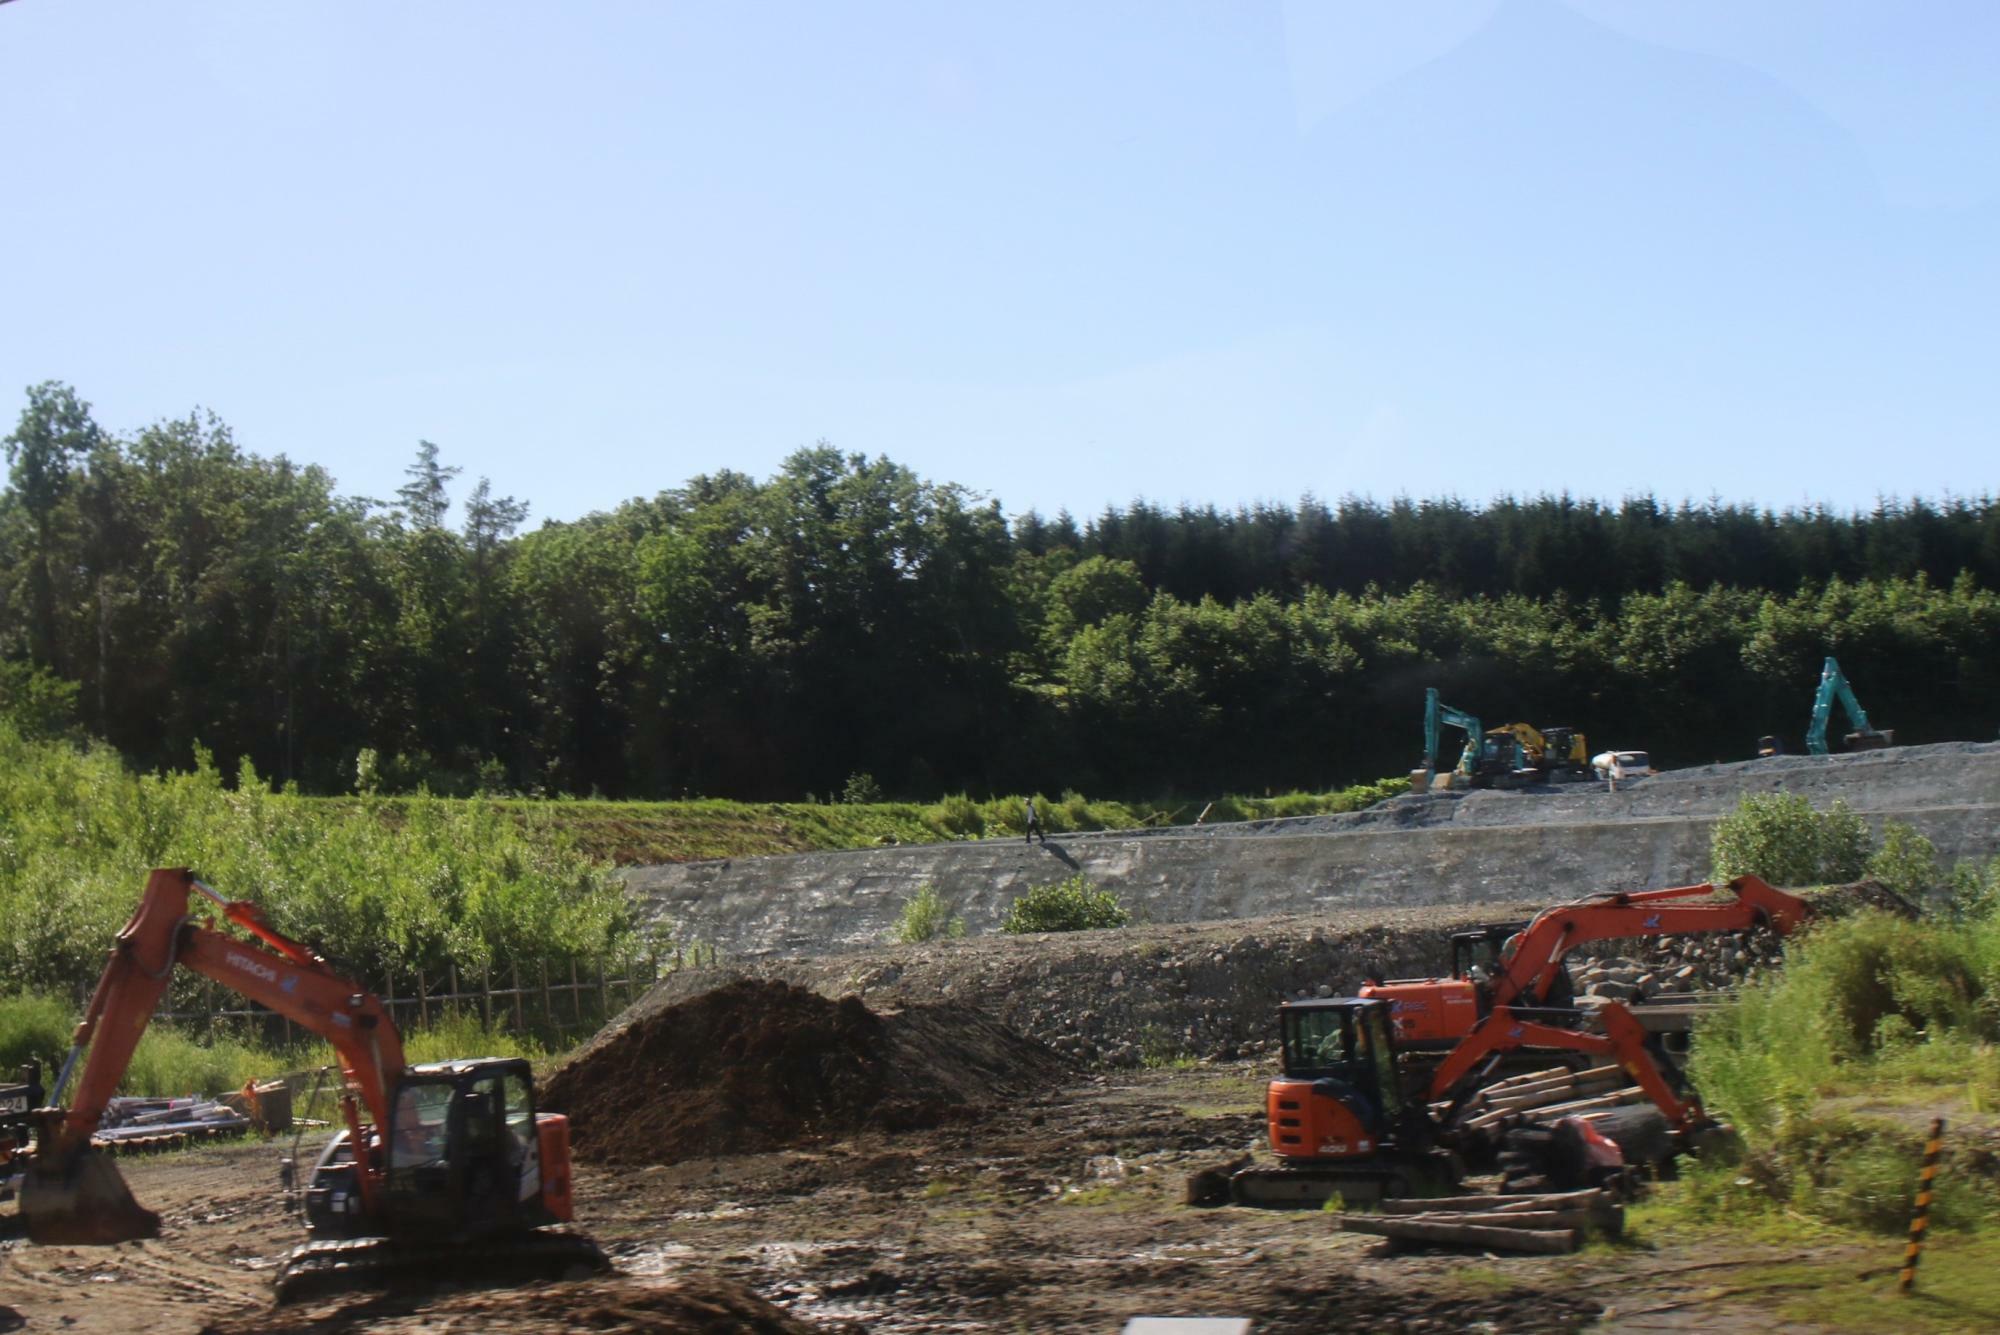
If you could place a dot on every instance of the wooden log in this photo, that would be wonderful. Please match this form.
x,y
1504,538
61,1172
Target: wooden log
x,y
1513,1218
1548,1112
1554,1094
1547,1241
1557,1075
1629,1094
1491,1201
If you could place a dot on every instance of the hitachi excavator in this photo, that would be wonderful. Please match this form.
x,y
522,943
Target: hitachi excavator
x,y
1340,1121
1339,1117
435,1165
1528,970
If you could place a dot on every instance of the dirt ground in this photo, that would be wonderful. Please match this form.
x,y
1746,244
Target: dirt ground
x,y
1060,1212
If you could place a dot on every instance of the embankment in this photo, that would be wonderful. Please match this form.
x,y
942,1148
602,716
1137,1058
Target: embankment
x,y
1534,846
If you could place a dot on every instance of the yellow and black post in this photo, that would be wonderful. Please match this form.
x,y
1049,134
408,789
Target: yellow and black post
x,y
1921,1219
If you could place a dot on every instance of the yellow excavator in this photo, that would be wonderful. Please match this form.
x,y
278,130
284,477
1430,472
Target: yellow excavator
x,y
1552,751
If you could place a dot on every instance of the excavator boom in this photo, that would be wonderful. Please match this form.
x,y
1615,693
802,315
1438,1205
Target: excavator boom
x,y
1833,687
1538,954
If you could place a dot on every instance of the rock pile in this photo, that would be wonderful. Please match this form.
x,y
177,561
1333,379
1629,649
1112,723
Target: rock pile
x,y
1677,965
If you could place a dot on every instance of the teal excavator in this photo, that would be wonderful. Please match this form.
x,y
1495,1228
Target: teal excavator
x,y
1833,686
1486,755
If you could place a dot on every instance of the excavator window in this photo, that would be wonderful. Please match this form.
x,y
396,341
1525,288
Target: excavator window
x,y
1372,1031
420,1125
520,1109
1317,1039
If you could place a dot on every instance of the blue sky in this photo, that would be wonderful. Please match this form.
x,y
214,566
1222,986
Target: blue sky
x,y
1065,254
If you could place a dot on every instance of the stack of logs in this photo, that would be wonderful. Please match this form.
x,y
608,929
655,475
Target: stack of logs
x,y
134,1125
1516,1223
1543,1096
1515,1116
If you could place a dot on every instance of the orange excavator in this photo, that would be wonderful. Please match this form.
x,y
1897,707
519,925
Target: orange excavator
x,y
1521,965
1340,1119
435,1165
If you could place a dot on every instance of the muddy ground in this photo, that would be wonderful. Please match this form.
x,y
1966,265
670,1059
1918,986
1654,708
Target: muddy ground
x,y
1062,1211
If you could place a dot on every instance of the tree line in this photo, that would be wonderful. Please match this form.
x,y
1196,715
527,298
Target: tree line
x,y
169,590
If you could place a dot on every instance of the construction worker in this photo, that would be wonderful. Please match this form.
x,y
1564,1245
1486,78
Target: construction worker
x,y
1034,824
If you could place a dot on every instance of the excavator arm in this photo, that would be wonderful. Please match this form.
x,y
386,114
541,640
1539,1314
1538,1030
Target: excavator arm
x,y
70,1195
1833,686
1623,1041
1436,715
1538,953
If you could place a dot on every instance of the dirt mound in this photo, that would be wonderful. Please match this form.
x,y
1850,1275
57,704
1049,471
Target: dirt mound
x,y
762,1065
694,1306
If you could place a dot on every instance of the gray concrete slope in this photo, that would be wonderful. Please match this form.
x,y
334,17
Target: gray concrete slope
x,y
1443,849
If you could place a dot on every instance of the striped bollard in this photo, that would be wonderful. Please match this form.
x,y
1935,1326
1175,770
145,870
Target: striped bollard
x,y
1921,1219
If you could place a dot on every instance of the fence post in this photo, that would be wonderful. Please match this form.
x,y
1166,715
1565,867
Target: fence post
x,y
514,972
603,998
575,993
453,994
548,1010
486,994
1920,1216
423,1000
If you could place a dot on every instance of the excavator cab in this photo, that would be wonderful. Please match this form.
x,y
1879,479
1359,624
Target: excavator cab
x,y
1338,1098
466,1155
1338,1120
1481,947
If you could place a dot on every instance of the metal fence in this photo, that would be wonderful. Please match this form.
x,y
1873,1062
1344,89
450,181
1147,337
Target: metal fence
x,y
543,997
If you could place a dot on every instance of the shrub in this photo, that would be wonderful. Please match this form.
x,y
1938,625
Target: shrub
x,y
1906,862
1780,837
1871,997
861,789
34,1027
957,814
1072,905
926,917
383,887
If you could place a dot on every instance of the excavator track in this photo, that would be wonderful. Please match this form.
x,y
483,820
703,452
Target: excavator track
x,y
341,1265
1309,1186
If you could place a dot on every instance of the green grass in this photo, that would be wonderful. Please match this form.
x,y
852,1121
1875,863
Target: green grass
x,y
173,1062
1844,1277
386,894
641,833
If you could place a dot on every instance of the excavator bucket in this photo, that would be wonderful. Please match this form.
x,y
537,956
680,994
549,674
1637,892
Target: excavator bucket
x,y
83,1202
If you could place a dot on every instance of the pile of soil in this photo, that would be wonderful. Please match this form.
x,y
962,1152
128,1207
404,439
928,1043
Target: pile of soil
x,y
698,1305
762,1065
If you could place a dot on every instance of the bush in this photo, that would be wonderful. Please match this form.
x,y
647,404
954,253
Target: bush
x,y
861,789
926,917
957,814
1972,891
1782,839
1869,998
1906,862
34,1027
382,887
1073,905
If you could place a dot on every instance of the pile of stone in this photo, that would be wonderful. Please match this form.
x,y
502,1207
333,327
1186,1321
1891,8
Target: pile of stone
x,y
1677,965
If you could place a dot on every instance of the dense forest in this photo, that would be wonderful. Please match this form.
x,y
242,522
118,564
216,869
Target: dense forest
x,y
170,591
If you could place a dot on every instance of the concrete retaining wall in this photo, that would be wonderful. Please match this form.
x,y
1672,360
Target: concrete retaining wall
x,y
1420,851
